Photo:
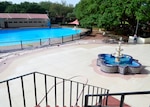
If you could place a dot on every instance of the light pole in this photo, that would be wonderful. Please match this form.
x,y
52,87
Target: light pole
x,y
137,25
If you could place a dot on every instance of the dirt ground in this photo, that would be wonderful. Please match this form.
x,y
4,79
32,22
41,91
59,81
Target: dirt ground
x,y
105,36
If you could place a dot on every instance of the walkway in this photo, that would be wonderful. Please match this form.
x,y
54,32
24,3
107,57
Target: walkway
x,y
80,59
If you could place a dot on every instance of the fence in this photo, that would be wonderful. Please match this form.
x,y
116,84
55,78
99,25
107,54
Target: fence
x,y
40,89
32,44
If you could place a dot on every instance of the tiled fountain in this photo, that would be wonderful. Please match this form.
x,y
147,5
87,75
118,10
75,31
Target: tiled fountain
x,y
118,62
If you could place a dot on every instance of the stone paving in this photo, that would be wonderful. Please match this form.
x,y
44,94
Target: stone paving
x,y
79,58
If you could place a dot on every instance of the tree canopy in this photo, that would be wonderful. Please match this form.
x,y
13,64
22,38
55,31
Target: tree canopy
x,y
113,14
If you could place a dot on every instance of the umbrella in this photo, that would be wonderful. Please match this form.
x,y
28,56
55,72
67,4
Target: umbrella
x,y
76,22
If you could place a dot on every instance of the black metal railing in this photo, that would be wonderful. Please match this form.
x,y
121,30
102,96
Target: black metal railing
x,y
38,43
103,99
39,89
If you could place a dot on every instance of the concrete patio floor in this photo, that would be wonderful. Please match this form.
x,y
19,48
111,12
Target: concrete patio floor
x,y
80,59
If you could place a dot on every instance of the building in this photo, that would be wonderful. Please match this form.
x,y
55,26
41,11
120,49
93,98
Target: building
x,y
13,20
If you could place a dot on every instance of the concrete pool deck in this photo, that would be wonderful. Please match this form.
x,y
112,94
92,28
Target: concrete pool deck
x,y
79,58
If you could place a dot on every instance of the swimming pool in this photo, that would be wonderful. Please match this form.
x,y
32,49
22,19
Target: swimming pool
x,y
33,34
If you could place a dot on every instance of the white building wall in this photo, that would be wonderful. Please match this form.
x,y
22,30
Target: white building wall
x,y
24,23
2,25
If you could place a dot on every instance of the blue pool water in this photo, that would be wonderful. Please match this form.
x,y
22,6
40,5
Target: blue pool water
x,y
26,34
125,60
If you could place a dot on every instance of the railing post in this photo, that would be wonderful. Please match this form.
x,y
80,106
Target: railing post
x,y
23,93
49,41
88,89
107,97
77,94
55,91
83,94
10,103
35,93
100,101
86,101
62,39
63,92
46,89
80,35
97,93
122,100
72,37
70,93
21,45
40,42
92,96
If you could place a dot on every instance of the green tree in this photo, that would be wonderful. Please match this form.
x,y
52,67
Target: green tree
x,y
45,5
113,14
87,12
143,12
3,6
27,7
15,8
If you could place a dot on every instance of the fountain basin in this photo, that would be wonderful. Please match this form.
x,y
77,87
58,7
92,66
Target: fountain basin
x,y
126,64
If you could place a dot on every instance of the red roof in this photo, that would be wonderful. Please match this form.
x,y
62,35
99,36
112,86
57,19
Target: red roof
x,y
23,15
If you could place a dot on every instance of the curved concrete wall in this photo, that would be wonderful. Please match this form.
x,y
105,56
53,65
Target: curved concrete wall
x,y
108,68
139,40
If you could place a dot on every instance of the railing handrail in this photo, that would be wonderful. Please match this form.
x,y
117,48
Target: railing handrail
x,y
90,89
50,76
70,80
123,94
16,77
